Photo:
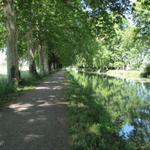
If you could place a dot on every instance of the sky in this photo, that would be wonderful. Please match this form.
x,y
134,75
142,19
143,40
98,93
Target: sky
x,y
130,17
2,57
133,1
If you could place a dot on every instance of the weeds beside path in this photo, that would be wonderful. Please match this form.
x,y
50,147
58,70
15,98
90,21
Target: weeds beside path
x,y
37,120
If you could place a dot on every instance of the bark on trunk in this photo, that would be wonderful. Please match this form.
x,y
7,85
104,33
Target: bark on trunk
x,y
46,67
12,56
31,54
43,59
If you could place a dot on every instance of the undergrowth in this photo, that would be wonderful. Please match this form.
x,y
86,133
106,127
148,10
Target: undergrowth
x,y
9,90
26,83
6,88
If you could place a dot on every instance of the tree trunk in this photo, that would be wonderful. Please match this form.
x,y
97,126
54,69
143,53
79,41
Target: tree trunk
x,y
41,59
12,56
45,55
31,54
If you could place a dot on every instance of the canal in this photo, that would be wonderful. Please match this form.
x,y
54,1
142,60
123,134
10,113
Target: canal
x,y
109,113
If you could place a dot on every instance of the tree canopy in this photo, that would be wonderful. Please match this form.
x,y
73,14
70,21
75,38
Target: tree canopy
x,y
52,33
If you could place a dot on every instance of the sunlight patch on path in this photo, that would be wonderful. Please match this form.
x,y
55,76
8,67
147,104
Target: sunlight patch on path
x,y
20,107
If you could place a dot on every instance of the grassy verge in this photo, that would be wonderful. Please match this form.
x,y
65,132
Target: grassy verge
x,y
123,74
8,91
2,76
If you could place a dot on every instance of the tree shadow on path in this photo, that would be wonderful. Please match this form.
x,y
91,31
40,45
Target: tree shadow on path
x,y
38,119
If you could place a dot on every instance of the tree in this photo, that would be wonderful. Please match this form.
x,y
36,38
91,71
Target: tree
x,y
12,54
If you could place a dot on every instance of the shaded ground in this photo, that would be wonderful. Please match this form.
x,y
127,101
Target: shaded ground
x,y
38,119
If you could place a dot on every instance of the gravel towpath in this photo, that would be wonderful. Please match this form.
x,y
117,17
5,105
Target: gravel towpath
x,y
37,120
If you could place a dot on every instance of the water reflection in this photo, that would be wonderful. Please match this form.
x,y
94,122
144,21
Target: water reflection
x,y
126,130
124,110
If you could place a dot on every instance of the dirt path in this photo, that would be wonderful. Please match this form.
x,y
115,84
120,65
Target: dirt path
x,y
38,120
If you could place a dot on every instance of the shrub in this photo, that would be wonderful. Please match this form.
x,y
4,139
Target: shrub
x,y
6,87
28,79
146,71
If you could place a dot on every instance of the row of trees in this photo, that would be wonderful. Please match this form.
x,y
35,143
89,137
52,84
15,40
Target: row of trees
x,y
128,48
49,33
26,26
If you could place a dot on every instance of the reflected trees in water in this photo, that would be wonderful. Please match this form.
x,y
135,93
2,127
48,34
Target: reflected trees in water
x,y
109,113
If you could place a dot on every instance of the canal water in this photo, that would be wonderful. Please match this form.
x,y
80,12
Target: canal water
x,y
120,108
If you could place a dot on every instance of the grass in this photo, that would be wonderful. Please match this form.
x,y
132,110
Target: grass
x,y
128,74
2,76
6,89
124,73
28,80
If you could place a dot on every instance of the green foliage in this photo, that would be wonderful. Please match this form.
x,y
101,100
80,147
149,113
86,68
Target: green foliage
x,y
27,83
2,35
5,89
146,72
28,79
2,27
83,33
141,14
